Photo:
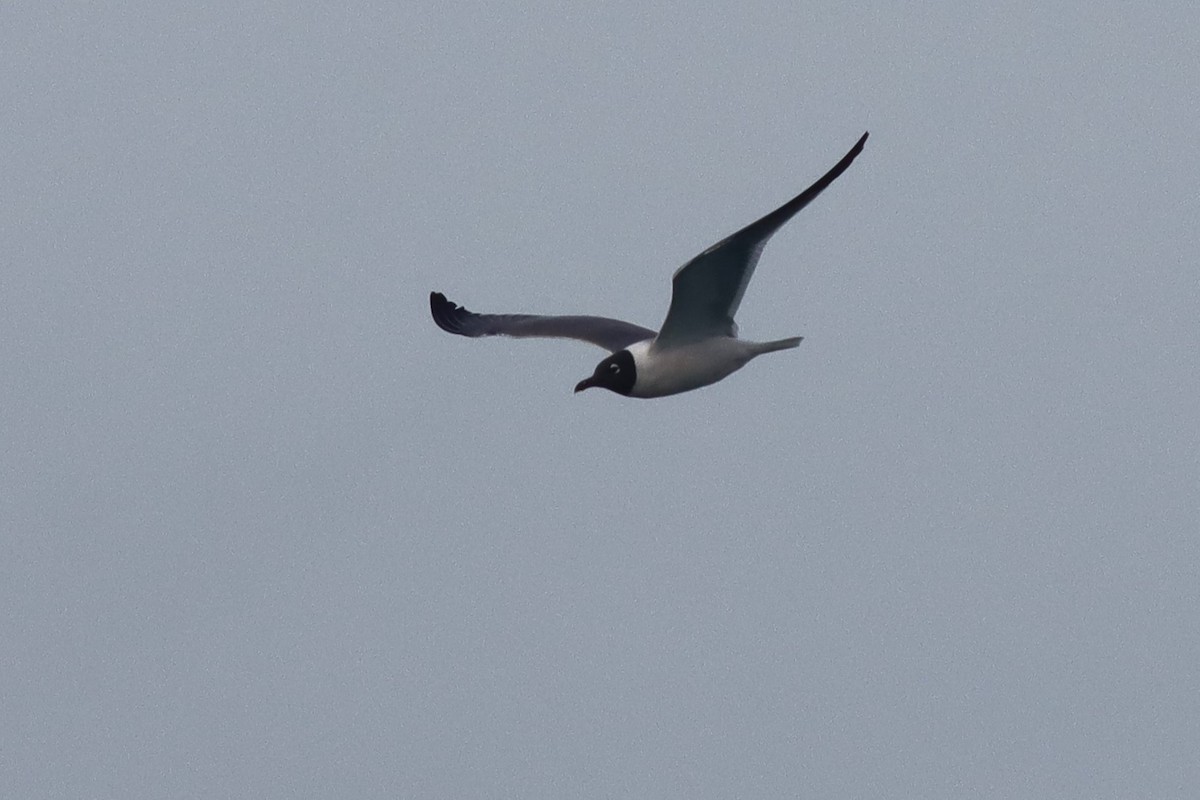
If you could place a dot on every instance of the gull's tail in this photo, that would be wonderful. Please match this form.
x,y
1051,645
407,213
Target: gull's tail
x,y
779,344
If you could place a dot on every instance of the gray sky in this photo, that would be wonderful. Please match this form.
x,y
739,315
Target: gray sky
x,y
267,532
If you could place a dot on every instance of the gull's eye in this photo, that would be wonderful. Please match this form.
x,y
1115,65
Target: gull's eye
x,y
614,368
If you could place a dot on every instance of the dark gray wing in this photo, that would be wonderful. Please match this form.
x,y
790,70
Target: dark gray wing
x,y
611,334
707,291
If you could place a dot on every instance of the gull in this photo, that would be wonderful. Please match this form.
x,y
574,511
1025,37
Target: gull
x,y
696,345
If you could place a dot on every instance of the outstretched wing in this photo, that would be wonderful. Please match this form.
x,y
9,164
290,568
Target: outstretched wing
x,y
611,334
707,291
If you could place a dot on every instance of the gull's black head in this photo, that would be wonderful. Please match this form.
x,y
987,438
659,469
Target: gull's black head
x,y
615,373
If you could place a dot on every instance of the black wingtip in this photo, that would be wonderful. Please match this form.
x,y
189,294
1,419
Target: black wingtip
x,y
858,146
447,315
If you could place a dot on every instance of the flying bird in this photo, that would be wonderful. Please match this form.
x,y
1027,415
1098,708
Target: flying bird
x,y
697,344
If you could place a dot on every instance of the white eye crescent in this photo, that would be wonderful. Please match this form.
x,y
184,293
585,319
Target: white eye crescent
x,y
614,368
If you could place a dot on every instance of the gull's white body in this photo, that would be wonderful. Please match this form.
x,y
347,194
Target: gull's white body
x,y
668,370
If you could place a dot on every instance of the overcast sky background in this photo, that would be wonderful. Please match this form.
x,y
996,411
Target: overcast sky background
x,y
268,532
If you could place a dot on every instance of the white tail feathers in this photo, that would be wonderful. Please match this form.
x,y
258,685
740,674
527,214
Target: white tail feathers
x,y
779,344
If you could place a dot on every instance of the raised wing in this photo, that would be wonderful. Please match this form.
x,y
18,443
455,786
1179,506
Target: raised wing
x,y
611,334
706,291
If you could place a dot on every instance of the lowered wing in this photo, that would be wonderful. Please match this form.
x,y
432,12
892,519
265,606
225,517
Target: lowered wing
x,y
611,334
